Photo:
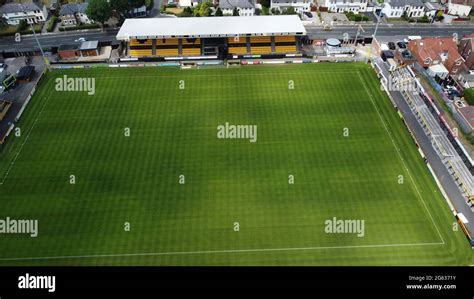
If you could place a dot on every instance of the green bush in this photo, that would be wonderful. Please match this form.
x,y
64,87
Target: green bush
x,y
23,26
356,17
469,95
80,27
52,23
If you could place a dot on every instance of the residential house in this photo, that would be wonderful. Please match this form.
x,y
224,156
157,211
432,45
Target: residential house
x,y
438,50
73,14
299,5
466,49
245,7
460,8
137,12
32,12
355,6
186,3
465,79
396,8
54,6
433,8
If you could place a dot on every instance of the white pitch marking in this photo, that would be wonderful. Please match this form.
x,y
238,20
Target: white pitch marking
x,y
400,156
24,141
218,251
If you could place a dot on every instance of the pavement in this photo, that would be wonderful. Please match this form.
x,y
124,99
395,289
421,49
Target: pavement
x,y
155,12
392,31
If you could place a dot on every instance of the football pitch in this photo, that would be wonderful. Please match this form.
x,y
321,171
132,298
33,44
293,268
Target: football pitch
x,y
135,174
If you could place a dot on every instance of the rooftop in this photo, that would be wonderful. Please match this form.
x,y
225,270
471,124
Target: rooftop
x,y
73,8
89,45
464,2
68,47
400,3
211,27
17,7
433,6
230,4
441,49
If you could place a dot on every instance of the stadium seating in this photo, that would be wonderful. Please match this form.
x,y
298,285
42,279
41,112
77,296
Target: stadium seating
x,y
236,40
260,39
261,50
196,41
285,49
140,52
238,50
284,39
167,52
191,52
168,41
142,42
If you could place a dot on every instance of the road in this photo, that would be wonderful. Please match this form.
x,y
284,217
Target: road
x,y
47,41
395,31
384,32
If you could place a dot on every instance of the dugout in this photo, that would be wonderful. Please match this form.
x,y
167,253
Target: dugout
x,y
70,51
89,48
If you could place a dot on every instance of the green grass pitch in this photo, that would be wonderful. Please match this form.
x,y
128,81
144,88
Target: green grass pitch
x,y
173,132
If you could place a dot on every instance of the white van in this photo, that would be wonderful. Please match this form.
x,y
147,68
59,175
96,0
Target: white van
x,y
414,37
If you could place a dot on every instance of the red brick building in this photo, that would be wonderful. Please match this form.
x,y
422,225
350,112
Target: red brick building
x,y
435,50
466,49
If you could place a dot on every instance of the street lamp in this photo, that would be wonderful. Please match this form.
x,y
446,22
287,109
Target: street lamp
x,y
36,38
373,37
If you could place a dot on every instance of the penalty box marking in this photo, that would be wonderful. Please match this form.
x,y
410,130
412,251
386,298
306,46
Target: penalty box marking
x,y
258,250
400,155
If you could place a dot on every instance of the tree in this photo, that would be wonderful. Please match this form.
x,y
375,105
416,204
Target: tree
x,y
136,3
235,12
99,11
3,23
219,12
439,16
289,11
202,9
22,26
265,3
187,12
120,6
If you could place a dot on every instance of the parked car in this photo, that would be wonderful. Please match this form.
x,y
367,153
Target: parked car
x,y
402,45
391,45
308,14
